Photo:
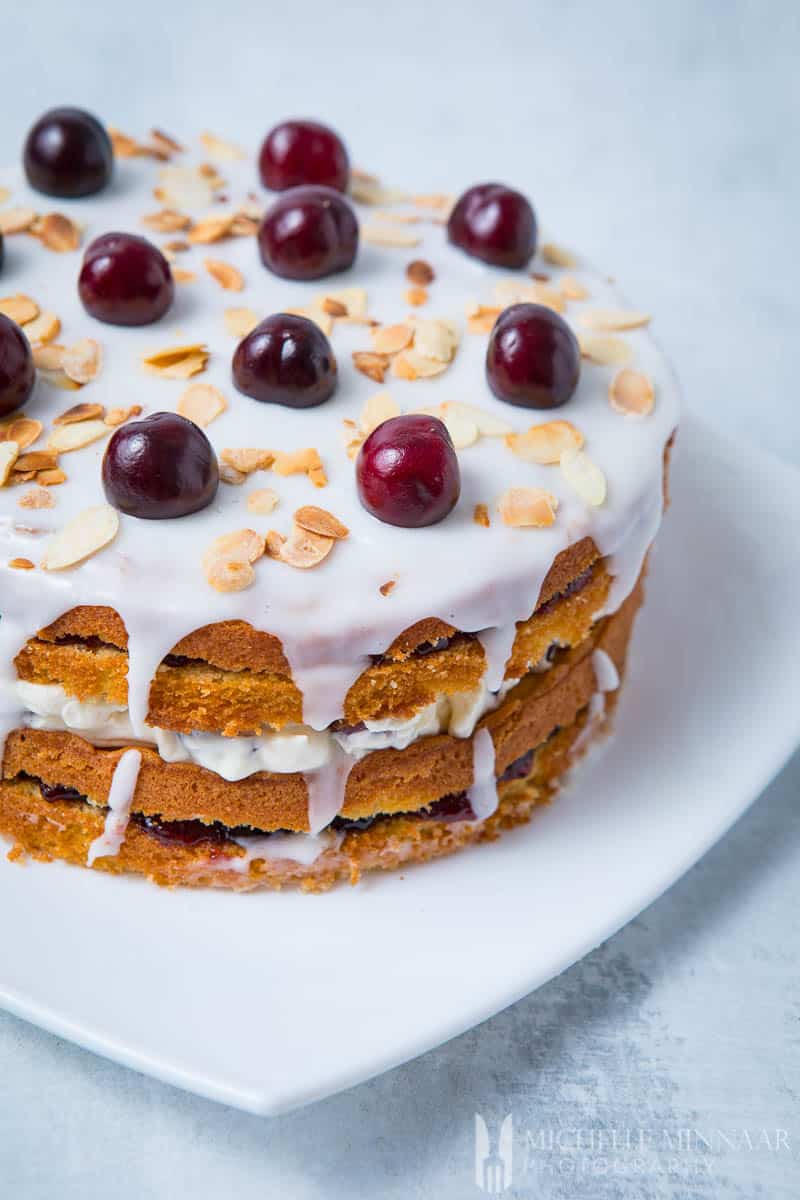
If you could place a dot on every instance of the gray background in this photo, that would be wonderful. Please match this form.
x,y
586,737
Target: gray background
x,y
660,139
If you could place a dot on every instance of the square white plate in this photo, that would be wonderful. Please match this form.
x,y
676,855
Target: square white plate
x,y
270,1001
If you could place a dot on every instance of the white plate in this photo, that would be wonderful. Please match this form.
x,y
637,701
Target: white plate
x,y
270,1001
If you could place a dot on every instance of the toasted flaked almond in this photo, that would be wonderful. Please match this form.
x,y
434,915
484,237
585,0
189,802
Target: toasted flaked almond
x,y
16,220
87,533
387,588
299,462
374,366
613,319
420,272
176,246
487,423
389,235
57,232
558,256
184,275
22,430
244,226
319,520
248,460
17,477
480,516
37,460
368,189
210,230
201,403
51,478
66,438
604,350
83,360
379,408
59,379
527,507
49,358
44,328
9,453
572,288
631,393
230,475
314,313
442,202
228,575
165,143
549,297
481,318
584,476
262,501
545,443
354,300
334,308
434,338
167,220
122,145
391,339
415,296
185,188
217,147
240,321
118,416
22,564
409,364
302,549
80,412
19,308
243,545
514,290
177,362
36,497
458,420
227,276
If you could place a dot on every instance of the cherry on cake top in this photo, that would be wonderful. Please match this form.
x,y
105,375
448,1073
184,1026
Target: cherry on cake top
x,y
494,223
17,372
68,153
299,152
307,233
286,360
533,359
125,280
162,466
407,472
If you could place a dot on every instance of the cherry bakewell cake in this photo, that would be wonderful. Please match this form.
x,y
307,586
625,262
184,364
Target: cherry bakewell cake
x,y
325,508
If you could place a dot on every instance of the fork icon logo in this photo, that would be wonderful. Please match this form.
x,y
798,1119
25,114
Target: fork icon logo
x,y
493,1157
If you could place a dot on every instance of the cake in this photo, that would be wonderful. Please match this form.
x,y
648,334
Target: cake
x,y
325,508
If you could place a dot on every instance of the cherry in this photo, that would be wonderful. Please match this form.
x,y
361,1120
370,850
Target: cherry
x,y
286,360
297,152
307,233
494,223
17,372
162,466
68,153
125,280
533,359
407,472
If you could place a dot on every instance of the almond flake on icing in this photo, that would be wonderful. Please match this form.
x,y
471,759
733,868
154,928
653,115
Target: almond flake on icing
x,y
631,393
613,319
16,220
217,147
66,438
368,189
572,288
36,460
184,187
51,478
230,475
228,277
391,339
19,309
42,329
584,476
49,358
262,502
387,588
315,313
181,275
558,256
531,291
480,516
82,361
411,365
545,443
481,318
320,521
87,533
210,230
353,299
416,296
9,453
240,321
37,497
243,545
390,236
530,507
167,220
439,201
118,416
374,366
80,412
606,351
301,462
58,379
248,459
435,338
201,403
302,549
177,362
22,564
379,408
22,430
57,232
228,575
334,308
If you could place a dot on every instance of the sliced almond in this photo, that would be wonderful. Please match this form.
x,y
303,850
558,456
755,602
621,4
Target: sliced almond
x,y
391,339
416,296
19,308
16,220
605,351
227,276
572,288
409,364
379,408
51,478
631,393
440,201
218,148
584,476
240,321
301,462
201,403
481,516
481,318
87,533
59,233
184,187
230,475
527,507
558,256
385,235
22,430
210,230
59,379
420,272
227,575
262,501
118,416
82,361
37,497
514,291
374,366
37,460
49,358
177,362
488,424
319,520
316,314
243,545
354,300
613,319
458,420
167,220
435,338
545,443
122,145
387,588
302,549
80,412
44,328
66,438
248,460
183,275
22,564
9,452
368,189
334,308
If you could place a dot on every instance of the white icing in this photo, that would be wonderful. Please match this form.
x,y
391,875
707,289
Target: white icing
x,y
605,672
331,619
236,758
482,795
606,680
120,798
304,848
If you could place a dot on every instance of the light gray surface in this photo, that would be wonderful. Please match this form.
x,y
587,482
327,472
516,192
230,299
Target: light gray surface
x,y
660,139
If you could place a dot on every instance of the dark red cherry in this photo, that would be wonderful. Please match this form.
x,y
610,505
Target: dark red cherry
x,y
494,223
68,153
17,372
533,359
407,472
125,280
286,360
162,466
297,152
307,233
